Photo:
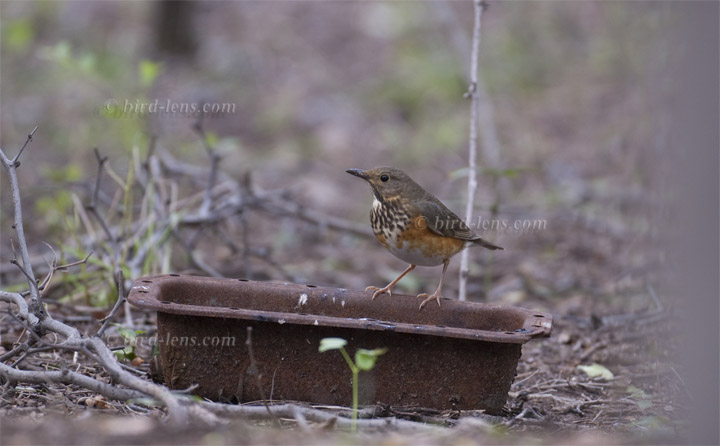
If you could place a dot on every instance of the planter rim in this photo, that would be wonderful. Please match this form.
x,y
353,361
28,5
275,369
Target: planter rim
x,y
146,293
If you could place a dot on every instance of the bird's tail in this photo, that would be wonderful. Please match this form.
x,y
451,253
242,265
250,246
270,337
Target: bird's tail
x,y
486,244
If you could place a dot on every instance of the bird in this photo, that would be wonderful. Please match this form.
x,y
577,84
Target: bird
x,y
414,226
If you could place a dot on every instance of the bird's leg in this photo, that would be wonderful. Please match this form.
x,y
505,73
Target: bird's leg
x,y
436,294
388,289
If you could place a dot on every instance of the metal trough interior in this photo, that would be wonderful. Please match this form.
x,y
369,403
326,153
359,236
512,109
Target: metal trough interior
x,y
459,356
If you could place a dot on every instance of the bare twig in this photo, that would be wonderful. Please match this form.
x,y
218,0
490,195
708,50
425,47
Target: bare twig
x,y
37,323
275,202
197,261
55,267
27,141
254,369
486,114
101,160
313,415
646,317
92,207
246,245
69,377
23,347
682,381
11,165
301,420
517,383
214,163
527,413
658,304
479,5
121,298
294,209
96,349
589,352
177,413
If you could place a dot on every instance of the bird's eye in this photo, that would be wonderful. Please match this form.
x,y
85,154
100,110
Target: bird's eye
x,y
384,177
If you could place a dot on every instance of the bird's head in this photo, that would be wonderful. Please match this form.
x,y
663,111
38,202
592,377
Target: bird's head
x,y
388,183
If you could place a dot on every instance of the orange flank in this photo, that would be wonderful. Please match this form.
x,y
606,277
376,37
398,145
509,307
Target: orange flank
x,y
419,238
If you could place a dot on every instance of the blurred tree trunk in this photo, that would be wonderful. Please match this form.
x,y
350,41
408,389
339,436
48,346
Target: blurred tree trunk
x,y
175,34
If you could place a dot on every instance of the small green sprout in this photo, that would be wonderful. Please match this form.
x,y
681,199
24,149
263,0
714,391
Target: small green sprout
x,y
130,337
364,360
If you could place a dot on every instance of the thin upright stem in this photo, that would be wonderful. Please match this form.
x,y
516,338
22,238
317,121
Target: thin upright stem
x,y
355,375
472,151
26,267
355,400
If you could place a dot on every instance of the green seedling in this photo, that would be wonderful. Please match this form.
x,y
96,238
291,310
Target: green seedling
x,y
129,335
364,360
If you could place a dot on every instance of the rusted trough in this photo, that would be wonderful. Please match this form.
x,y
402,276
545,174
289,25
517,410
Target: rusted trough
x,y
462,355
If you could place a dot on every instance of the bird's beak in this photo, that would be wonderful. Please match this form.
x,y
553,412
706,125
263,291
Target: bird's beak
x,y
358,173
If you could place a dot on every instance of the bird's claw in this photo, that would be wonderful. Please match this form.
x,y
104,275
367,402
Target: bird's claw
x,y
379,291
428,298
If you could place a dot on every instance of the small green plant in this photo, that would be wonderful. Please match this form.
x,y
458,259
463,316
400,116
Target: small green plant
x,y
130,337
364,360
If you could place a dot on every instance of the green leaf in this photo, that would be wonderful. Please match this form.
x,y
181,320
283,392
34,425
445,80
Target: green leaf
x,y
509,173
61,52
331,344
642,399
489,171
636,393
597,370
148,402
18,34
127,333
148,71
87,62
365,359
129,353
459,173
653,422
72,172
644,404
212,139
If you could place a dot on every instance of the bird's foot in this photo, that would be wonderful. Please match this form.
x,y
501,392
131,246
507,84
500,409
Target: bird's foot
x,y
379,291
428,297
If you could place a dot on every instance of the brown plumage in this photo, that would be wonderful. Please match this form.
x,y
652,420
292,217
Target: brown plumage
x,y
414,225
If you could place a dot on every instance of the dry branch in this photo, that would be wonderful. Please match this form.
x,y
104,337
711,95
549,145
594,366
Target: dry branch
x,y
311,414
26,268
479,5
230,198
39,322
214,164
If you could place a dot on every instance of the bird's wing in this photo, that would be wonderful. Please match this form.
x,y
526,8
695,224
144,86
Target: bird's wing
x,y
442,221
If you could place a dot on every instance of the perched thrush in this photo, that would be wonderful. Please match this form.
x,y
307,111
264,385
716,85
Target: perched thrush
x,y
414,225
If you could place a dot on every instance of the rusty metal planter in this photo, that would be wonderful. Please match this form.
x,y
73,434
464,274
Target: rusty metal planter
x,y
462,355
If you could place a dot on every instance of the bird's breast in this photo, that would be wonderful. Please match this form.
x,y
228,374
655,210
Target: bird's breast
x,y
408,238
388,219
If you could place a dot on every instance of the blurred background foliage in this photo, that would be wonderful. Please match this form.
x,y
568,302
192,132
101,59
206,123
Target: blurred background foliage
x,y
579,90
